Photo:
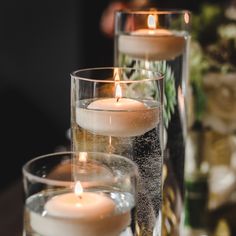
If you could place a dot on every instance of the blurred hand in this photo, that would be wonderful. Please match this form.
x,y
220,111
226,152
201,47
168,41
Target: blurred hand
x,y
108,16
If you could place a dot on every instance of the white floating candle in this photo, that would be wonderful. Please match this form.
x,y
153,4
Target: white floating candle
x,y
151,43
72,206
120,118
89,214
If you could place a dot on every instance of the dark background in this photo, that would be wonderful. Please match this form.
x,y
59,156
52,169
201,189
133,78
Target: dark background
x,y
41,42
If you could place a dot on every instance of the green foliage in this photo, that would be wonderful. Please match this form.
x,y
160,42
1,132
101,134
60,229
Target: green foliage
x,y
204,25
170,90
169,82
213,49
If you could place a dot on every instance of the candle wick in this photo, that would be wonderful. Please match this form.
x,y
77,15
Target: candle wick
x,y
118,98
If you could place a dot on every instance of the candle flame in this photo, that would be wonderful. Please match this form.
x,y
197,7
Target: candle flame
x,y
78,189
110,140
118,91
152,21
83,156
118,94
110,148
186,17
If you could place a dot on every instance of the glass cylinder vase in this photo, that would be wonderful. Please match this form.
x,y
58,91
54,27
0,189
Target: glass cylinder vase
x,y
119,111
159,40
83,193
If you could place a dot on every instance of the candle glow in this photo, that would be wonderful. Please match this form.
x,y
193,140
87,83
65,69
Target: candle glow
x,y
78,189
151,21
118,92
83,156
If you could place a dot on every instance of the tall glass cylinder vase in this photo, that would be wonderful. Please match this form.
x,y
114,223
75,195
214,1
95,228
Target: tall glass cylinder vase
x,y
158,41
119,111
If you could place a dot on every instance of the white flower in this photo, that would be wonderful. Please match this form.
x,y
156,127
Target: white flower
x,y
220,90
227,31
230,12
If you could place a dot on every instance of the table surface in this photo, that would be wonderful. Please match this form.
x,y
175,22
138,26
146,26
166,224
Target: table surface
x,y
11,210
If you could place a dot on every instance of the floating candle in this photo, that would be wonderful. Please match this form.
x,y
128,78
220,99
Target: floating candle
x,y
87,214
88,206
125,117
151,43
119,117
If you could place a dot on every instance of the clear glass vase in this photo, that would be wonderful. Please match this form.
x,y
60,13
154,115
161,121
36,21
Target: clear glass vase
x,y
159,40
82,193
119,110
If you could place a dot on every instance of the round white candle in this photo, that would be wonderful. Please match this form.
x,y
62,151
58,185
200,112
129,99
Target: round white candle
x,y
151,44
89,214
72,206
120,118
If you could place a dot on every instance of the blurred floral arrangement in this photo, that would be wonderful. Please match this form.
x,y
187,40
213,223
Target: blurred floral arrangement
x,y
213,67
